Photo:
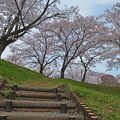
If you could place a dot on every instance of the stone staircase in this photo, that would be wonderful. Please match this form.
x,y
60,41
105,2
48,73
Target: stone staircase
x,y
27,103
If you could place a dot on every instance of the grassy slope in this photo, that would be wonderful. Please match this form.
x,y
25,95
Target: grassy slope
x,y
104,101
18,75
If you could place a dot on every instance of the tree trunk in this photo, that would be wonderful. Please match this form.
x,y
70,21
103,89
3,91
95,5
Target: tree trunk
x,y
4,42
84,75
41,70
2,47
62,72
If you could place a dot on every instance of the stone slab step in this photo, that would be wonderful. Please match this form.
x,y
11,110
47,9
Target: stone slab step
x,y
37,104
45,95
42,110
41,105
35,110
25,88
39,116
39,99
39,95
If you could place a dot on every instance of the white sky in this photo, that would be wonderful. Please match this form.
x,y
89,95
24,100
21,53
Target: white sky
x,y
90,7
87,7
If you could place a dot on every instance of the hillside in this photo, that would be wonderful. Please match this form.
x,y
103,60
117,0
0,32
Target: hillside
x,y
103,100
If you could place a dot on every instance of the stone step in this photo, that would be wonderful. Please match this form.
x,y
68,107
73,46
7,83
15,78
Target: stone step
x,y
39,95
39,99
41,104
38,104
43,95
40,116
36,110
10,104
25,88
43,110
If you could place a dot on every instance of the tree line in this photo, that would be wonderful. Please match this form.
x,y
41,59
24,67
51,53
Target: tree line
x,y
58,39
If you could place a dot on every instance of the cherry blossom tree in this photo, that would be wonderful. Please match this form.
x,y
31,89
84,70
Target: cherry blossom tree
x,y
81,66
74,71
14,58
111,38
17,17
89,59
75,36
36,51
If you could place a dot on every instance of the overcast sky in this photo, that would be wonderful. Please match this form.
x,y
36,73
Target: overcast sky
x,y
87,8
90,7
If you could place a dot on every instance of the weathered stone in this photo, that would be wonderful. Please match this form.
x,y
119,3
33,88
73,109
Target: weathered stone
x,y
58,97
8,106
15,88
55,90
63,108
39,116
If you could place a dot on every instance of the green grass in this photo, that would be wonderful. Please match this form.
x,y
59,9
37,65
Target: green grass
x,y
18,75
103,100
